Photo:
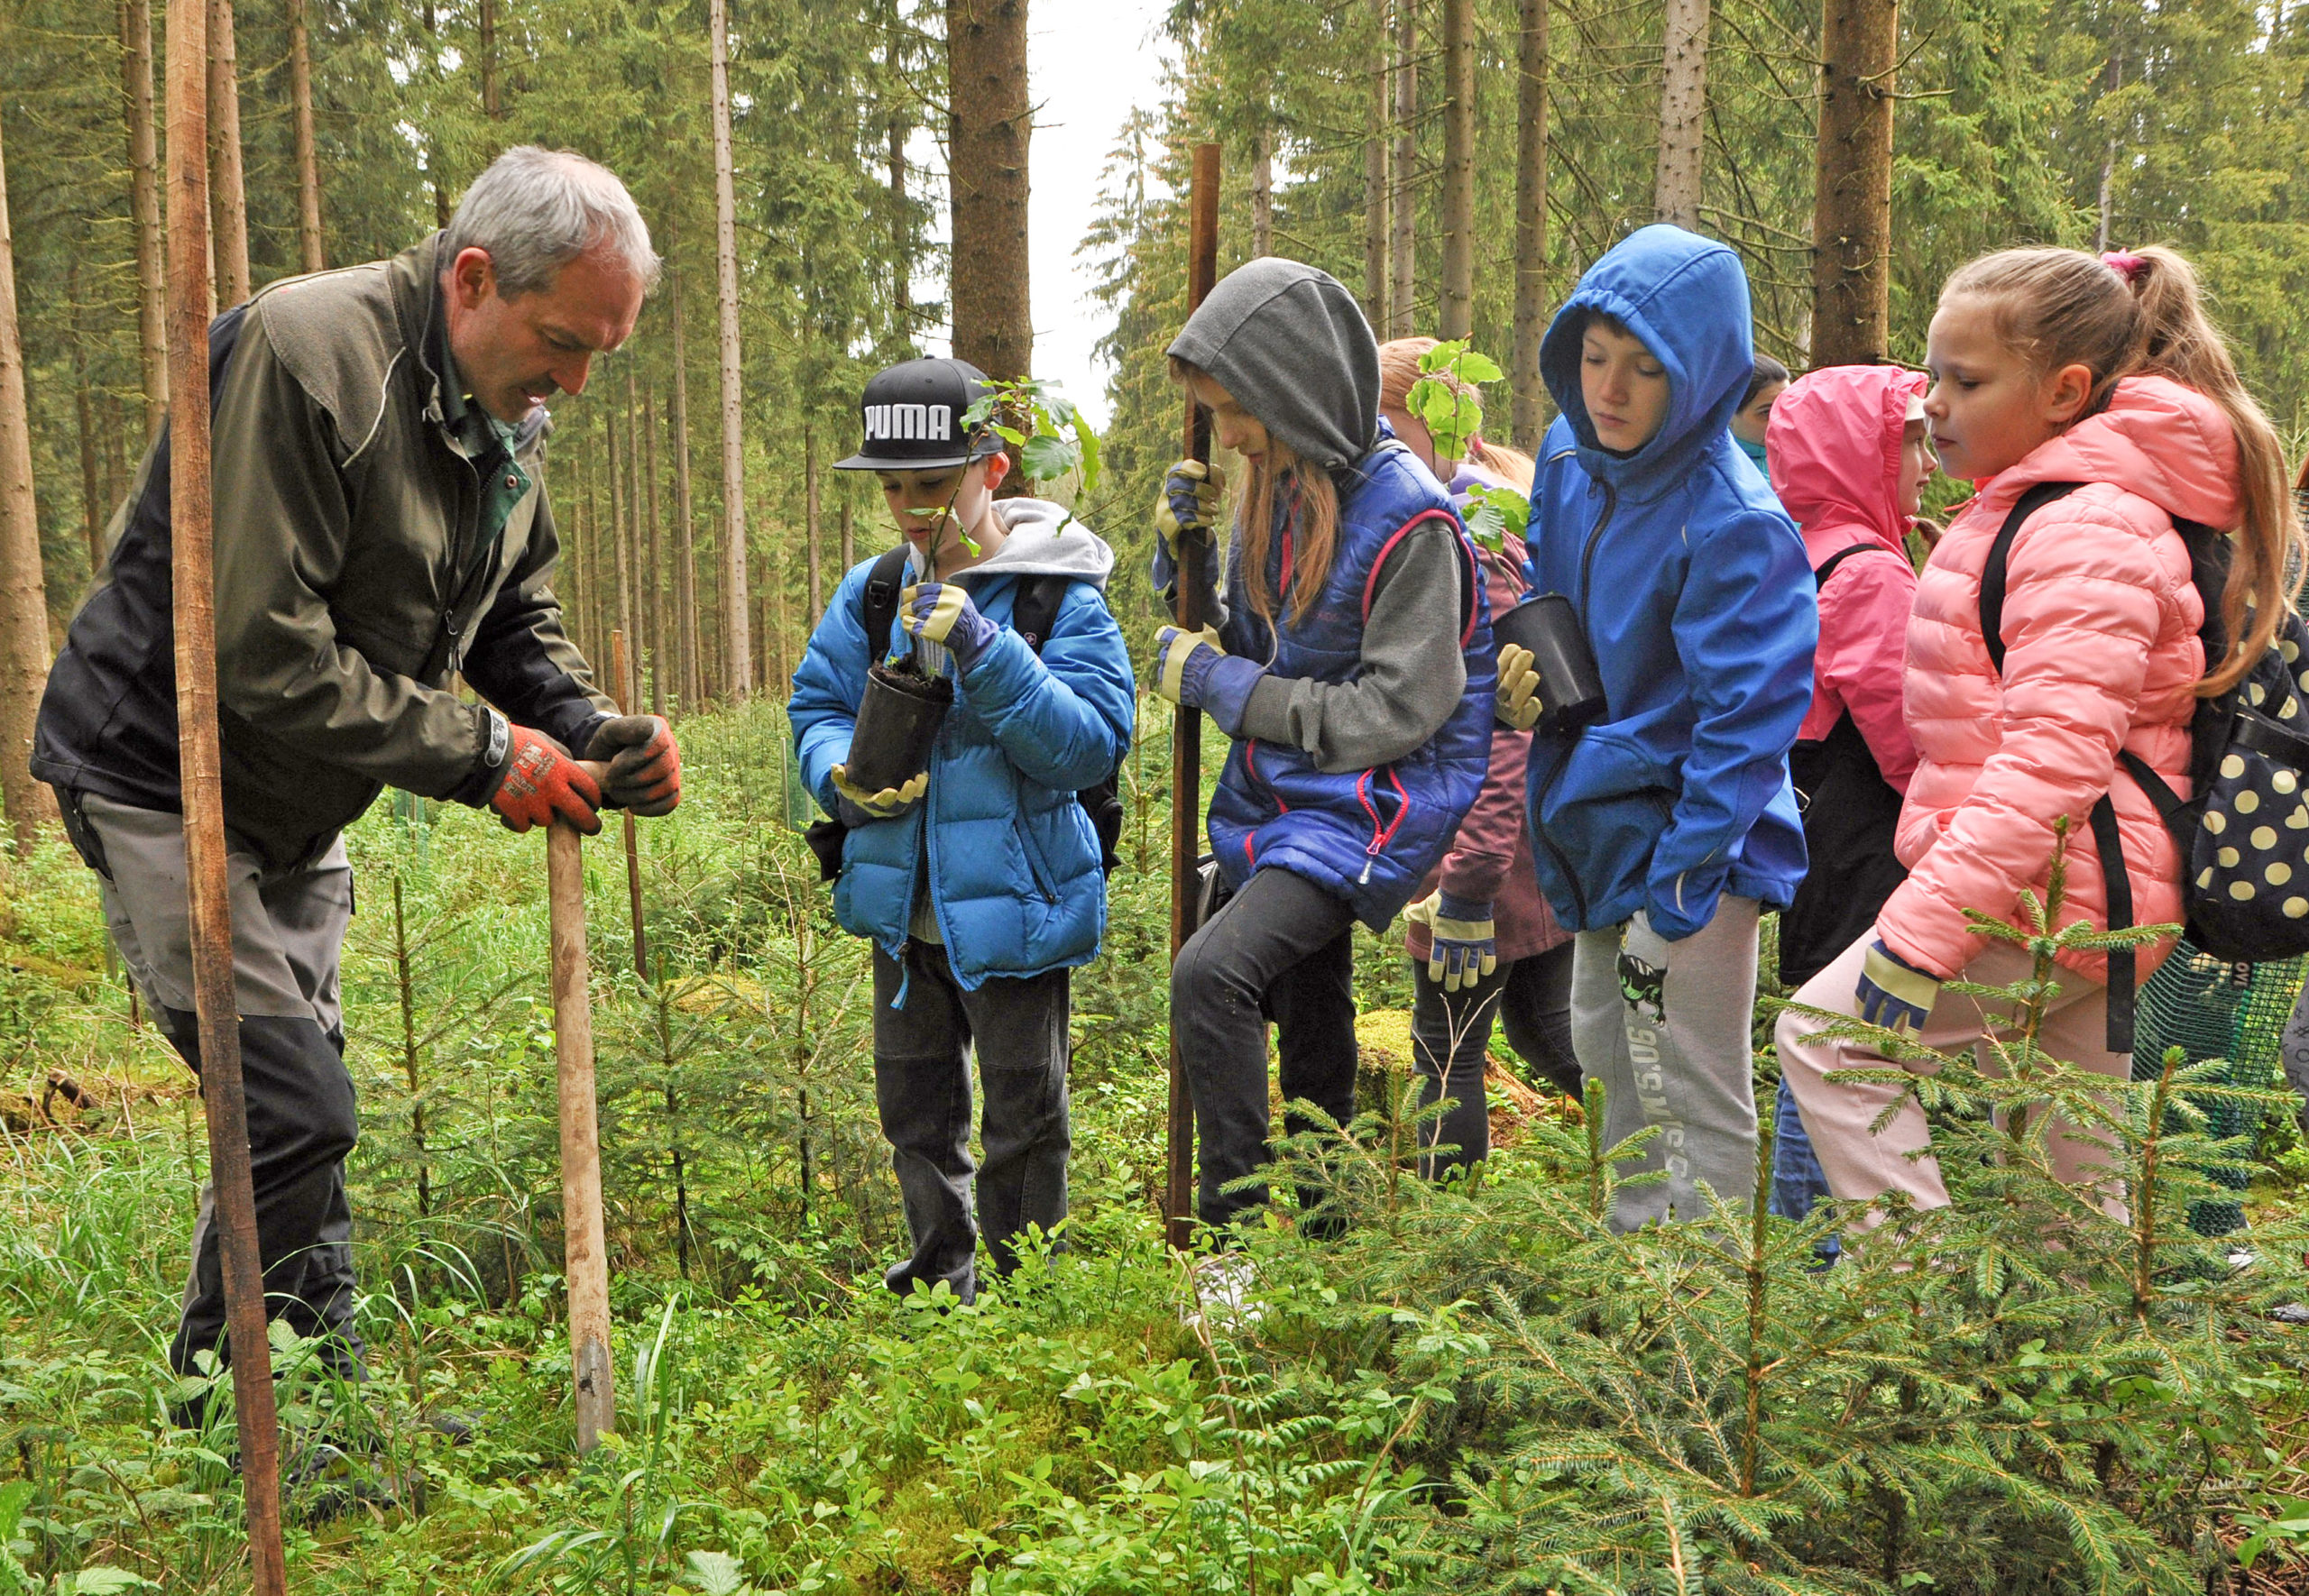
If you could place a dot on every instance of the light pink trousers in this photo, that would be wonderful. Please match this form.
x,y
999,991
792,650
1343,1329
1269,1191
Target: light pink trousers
x,y
1860,1163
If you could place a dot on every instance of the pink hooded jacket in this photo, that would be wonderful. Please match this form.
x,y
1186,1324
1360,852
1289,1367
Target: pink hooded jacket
x,y
2101,625
1834,448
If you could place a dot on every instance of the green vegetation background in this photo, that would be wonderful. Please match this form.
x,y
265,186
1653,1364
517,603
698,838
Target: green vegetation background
x,y
1474,1390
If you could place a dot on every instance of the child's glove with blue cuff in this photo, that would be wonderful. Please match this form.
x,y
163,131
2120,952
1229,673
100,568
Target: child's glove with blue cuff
x,y
941,612
1893,992
1462,944
1192,670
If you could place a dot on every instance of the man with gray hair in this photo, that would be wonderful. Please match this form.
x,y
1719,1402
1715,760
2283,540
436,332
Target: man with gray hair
x,y
380,524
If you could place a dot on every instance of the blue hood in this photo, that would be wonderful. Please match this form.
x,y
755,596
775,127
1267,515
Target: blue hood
x,y
1686,298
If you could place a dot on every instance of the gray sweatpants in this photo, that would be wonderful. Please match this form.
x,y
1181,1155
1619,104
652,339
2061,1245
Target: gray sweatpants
x,y
289,926
1666,1027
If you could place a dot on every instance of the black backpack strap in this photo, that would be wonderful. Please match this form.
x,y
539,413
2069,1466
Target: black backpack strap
x,y
1829,567
1999,554
878,601
2118,884
1035,610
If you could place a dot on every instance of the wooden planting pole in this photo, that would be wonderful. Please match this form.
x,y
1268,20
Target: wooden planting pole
x,y
632,841
585,1249
1194,559
192,571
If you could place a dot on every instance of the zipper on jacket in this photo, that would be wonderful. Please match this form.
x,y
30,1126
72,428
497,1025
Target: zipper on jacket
x,y
1587,555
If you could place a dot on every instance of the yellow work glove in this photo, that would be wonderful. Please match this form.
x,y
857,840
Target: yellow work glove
x,y
1519,687
1463,942
885,805
1190,504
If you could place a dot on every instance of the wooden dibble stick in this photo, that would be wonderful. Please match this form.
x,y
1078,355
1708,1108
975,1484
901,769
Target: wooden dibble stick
x,y
585,1249
621,670
192,571
1193,561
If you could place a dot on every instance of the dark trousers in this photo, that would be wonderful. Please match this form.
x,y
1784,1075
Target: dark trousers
x,y
1450,1033
1018,1029
1281,950
289,924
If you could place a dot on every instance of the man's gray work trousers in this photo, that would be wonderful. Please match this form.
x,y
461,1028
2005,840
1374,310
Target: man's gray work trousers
x,y
289,928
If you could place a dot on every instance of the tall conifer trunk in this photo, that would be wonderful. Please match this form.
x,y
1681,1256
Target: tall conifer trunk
x,y
23,594
309,254
1852,215
228,204
991,123
735,620
1683,114
1375,173
692,671
1262,191
492,94
661,648
1455,315
1531,224
145,207
1402,189
810,529
84,407
900,125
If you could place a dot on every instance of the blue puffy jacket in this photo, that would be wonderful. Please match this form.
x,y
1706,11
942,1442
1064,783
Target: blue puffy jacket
x,y
1365,836
1013,864
1697,600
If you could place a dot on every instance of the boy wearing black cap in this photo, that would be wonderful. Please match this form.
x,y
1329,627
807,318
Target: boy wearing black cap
x,y
978,880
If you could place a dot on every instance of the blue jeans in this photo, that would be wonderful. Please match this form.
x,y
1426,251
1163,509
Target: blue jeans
x,y
1797,1182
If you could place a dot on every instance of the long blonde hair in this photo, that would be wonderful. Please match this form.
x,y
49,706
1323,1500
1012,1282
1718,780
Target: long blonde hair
x,y
1312,499
1399,368
2140,313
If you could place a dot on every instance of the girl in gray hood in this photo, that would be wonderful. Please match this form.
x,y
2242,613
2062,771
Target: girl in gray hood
x,y
1351,665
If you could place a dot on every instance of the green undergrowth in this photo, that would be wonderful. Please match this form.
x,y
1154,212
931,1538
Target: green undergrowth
x,y
1475,1388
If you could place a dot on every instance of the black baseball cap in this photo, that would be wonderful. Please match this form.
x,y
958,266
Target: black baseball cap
x,y
913,414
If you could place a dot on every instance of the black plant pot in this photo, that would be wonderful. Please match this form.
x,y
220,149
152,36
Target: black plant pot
x,y
1571,689
897,725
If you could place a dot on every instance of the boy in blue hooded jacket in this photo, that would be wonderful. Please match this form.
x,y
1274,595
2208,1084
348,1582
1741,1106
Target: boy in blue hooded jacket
x,y
1666,824
978,882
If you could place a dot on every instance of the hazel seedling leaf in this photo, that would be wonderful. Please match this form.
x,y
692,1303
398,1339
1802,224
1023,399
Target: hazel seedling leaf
x,y
1045,457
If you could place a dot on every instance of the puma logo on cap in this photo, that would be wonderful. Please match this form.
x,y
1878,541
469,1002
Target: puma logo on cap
x,y
935,423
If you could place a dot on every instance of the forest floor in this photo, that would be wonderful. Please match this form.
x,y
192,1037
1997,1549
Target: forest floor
x,y
1474,1390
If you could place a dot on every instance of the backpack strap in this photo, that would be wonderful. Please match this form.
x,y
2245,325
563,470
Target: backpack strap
x,y
1034,610
877,605
1829,567
2107,844
1999,556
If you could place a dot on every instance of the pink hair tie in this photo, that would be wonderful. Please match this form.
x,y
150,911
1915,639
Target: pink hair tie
x,y
2125,264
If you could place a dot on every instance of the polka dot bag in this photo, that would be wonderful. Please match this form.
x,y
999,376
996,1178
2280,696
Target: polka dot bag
x,y
2244,835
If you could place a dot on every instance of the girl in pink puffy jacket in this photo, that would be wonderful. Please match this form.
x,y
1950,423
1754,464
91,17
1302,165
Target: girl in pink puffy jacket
x,y
2048,365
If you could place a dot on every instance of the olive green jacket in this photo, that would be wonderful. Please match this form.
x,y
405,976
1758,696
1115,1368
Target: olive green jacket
x,y
352,577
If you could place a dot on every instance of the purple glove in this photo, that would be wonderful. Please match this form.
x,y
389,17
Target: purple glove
x,y
941,612
1190,669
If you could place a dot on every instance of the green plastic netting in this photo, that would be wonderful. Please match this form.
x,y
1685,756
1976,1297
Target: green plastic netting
x,y
2212,1009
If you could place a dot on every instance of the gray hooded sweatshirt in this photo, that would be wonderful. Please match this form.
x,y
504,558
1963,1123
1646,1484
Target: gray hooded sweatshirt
x,y
1289,344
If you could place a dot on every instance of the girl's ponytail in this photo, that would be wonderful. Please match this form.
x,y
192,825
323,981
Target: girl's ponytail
x,y
2172,337
2139,313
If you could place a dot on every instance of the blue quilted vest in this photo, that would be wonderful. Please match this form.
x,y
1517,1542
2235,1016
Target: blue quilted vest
x,y
1365,836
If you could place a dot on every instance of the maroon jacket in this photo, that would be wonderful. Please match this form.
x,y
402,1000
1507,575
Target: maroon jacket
x,y
1490,860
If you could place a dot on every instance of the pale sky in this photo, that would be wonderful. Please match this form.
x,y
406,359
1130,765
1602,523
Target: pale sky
x,y
1087,62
